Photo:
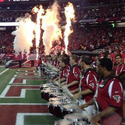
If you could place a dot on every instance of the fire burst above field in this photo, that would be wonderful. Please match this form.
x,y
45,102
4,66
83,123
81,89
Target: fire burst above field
x,y
70,15
48,21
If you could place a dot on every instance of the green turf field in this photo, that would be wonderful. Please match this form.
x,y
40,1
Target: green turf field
x,y
32,96
2,68
40,120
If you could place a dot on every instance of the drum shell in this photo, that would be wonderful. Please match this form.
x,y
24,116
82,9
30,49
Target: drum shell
x,y
46,85
55,99
55,94
45,94
81,123
67,109
55,108
63,122
74,117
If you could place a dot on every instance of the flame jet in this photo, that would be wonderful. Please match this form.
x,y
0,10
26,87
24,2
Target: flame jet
x,y
69,14
50,25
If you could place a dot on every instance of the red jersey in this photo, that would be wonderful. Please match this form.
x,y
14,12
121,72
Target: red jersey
x,y
89,81
74,75
64,72
111,94
120,68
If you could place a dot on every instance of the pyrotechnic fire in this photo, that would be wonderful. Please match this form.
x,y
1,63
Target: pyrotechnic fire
x,y
40,12
70,15
50,25
24,34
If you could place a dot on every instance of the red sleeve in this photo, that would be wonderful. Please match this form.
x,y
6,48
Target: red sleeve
x,y
115,92
76,73
91,81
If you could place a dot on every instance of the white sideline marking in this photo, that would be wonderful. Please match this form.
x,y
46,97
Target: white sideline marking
x,y
12,80
2,66
45,104
5,91
22,94
24,81
20,117
4,71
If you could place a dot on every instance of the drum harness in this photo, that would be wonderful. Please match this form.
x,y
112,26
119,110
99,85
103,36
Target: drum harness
x,y
96,93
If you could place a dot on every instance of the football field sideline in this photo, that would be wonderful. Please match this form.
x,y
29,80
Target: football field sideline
x,y
32,109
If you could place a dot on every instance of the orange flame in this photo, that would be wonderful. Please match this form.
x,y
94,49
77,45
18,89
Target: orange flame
x,y
40,12
52,31
70,15
24,34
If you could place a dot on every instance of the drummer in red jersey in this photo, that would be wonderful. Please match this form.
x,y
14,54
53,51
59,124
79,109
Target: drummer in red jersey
x,y
74,74
65,68
120,67
88,83
64,63
109,99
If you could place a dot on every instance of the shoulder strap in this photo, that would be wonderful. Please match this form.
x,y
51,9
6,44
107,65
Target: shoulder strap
x,y
107,79
122,78
88,71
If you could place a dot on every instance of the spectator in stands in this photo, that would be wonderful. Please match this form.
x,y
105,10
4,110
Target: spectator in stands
x,y
120,67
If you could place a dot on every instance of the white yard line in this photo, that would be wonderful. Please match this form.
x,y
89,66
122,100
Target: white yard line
x,y
20,117
2,66
5,91
22,94
4,71
12,80
24,81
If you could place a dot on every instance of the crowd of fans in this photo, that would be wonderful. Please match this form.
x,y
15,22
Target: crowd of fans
x,y
82,38
106,11
11,16
6,42
81,12
95,38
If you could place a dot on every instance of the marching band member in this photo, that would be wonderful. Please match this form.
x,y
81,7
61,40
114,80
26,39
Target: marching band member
x,y
74,75
88,83
109,99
